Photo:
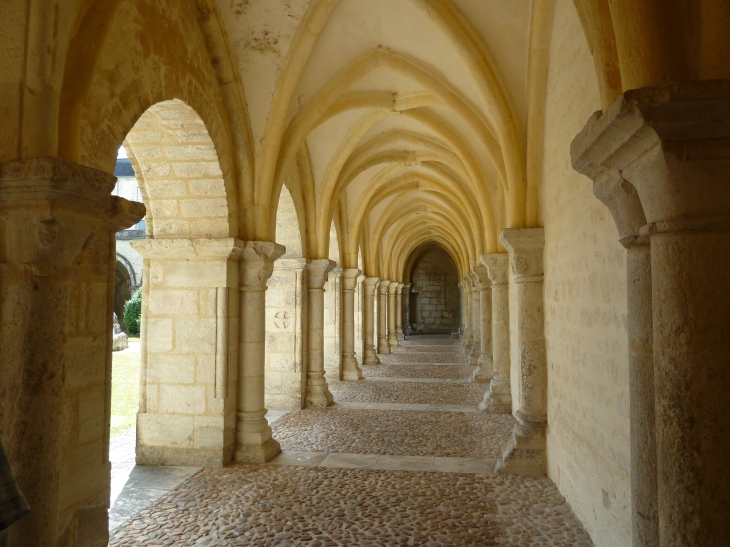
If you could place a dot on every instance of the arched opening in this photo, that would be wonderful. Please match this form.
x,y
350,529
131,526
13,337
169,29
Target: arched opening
x,y
434,306
122,291
286,316
170,392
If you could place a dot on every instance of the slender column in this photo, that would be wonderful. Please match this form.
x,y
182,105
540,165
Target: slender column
x,y
392,312
399,312
350,367
383,346
56,301
485,364
254,443
370,357
359,314
525,452
672,144
466,336
474,319
499,397
406,310
317,394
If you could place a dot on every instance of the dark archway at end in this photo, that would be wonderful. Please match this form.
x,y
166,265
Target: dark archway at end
x,y
434,304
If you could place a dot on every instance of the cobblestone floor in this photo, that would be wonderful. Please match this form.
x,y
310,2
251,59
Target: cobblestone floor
x,y
397,432
409,392
418,371
455,502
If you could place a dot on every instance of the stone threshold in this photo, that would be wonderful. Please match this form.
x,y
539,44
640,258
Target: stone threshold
x,y
340,460
418,380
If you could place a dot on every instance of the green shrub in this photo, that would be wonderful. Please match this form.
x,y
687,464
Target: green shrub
x,y
133,312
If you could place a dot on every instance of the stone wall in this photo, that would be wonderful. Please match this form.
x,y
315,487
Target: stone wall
x,y
434,284
585,308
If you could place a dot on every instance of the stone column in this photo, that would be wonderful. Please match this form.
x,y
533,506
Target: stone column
x,y
333,324
186,416
466,335
392,312
622,200
317,394
499,397
370,357
525,453
383,346
399,312
672,145
359,305
57,265
254,443
406,310
286,331
350,366
474,319
485,364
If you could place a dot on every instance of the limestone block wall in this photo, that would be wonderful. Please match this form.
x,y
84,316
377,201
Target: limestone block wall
x,y
585,308
435,280
189,352
286,329
333,325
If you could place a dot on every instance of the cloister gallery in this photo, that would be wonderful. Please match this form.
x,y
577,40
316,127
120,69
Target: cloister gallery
x,y
491,223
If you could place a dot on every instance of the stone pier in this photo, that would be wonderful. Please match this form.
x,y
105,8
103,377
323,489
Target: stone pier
x,y
317,393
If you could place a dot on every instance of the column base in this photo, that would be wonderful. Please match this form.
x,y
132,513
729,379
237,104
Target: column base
x,y
254,443
475,354
257,453
393,340
498,400
371,358
484,371
525,451
383,347
401,336
351,368
317,396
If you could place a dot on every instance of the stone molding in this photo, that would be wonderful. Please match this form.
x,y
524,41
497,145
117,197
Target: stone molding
x,y
482,277
189,249
257,263
371,284
392,288
399,289
497,265
383,287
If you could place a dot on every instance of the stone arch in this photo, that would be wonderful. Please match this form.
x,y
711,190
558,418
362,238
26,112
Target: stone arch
x,y
179,174
123,287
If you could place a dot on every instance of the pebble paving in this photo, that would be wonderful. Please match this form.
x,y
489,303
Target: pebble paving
x,y
396,432
273,505
408,392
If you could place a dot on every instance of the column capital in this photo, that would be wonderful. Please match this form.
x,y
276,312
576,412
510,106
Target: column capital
x,y
399,288
407,286
525,246
392,287
383,287
482,277
671,143
474,280
349,278
370,284
257,262
52,206
317,272
497,265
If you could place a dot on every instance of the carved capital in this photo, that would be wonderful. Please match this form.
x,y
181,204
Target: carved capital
x,y
482,274
525,247
317,271
392,287
52,207
257,262
383,287
497,267
349,279
671,143
399,289
370,285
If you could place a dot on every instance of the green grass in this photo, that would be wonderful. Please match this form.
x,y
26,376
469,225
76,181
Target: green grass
x,y
125,391
133,338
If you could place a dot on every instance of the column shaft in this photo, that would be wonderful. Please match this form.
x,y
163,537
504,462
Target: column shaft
x,y
254,443
474,320
485,364
350,367
392,312
399,312
370,357
383,346
406,309
499,397
317,394
525,453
